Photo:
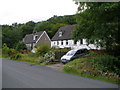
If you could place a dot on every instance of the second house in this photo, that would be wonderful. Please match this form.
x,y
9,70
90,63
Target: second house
x,y
36,39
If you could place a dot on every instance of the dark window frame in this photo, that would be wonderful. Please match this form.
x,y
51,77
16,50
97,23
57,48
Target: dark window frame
x,y
66,42
57,42
61,42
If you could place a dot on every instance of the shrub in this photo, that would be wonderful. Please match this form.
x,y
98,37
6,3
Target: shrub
x,y
79,65
60,52
42,49
5,49
94,64
49,56
12,52
107,63
20,46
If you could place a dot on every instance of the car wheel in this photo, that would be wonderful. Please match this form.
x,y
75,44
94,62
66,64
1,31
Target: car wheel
x,y
64,62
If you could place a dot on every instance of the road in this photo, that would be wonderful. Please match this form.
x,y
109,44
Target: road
x,y
25,75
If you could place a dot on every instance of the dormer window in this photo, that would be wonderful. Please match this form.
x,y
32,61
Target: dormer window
x,y
60,34
35,37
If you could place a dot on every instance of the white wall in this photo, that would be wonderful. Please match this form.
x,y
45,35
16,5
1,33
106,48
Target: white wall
x,y
28,46
72,45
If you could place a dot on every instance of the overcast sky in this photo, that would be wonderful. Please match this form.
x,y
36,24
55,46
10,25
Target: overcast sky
x,y
22,11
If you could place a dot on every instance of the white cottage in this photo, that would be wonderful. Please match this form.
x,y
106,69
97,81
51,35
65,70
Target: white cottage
x,y
63,39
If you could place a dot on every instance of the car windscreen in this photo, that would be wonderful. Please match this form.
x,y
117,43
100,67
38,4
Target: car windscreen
x,y
71,53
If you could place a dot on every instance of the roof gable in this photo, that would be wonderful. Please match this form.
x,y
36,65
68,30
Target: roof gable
x,y
66,33
29,37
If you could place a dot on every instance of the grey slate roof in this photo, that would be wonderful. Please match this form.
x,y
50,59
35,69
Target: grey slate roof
x,y
66,33
29,37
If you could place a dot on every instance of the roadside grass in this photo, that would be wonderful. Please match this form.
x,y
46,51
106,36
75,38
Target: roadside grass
x,y
101,78
30,58
0,53
85,67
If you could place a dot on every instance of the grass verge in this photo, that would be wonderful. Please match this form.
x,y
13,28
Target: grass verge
x,y
86,66
101,78
29,58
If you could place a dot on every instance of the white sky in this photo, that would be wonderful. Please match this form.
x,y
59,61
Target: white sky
x,y
22,11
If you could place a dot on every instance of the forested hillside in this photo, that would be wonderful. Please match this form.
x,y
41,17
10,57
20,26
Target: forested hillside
x,y
12,34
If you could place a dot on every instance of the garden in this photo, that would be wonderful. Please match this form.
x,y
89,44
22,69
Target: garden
x,y
44,54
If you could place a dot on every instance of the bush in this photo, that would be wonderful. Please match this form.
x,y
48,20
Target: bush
x,y
49,56
12,52
107,63
5,49
94,64
20,46
60,52
79,65
42,49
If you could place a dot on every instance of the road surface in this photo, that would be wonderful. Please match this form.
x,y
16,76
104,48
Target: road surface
x,y
25,75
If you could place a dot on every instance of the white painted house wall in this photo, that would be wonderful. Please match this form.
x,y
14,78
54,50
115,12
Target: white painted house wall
x,y
28,46
72,45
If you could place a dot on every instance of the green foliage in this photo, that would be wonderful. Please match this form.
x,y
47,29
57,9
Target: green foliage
x,y
68,19
60,52
107,63
42,49
94,63
30,54
20,45
94,66
0,36
31,58
16,56
78,65
60,49
99,22
5,49
10,35
49,55
27,28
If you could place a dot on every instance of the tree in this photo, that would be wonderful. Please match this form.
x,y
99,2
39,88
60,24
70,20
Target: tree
x,y
27,28
68,19
99,21
10,36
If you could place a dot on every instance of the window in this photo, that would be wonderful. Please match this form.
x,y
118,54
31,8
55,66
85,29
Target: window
x,y
60,34
81,41
70,53
35,37
75,42
57,42
78,52
61,42
66,42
